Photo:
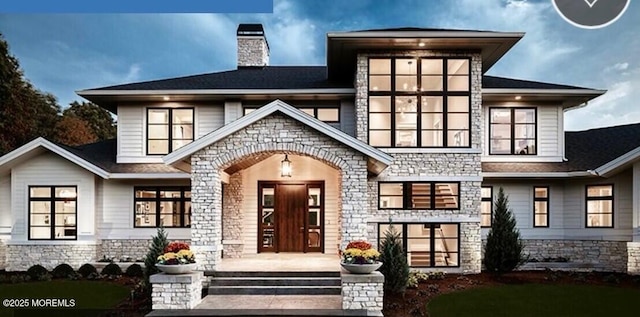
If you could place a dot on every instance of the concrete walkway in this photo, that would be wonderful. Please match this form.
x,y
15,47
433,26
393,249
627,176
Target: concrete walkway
x,y
271,302
282,262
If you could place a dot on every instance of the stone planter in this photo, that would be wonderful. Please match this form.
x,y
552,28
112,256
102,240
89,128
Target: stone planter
x,y
177,268
361,268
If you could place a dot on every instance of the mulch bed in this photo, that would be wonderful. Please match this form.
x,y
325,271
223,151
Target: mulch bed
x,y
413,302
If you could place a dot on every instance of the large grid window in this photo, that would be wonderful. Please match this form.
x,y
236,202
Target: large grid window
x,y
328,114
52,213
418,195
486,206
600,206
540,206
512,131
427,244
168,129
162,207
419,102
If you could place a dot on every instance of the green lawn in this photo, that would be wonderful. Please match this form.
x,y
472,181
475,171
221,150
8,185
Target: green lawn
x,y
536,300
87,294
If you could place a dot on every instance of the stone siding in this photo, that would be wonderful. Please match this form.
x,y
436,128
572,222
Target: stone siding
x,y
3,255
363,291
122,248
232,217
253,51
456,165
605,255
275,134
24,256
183,291
633,258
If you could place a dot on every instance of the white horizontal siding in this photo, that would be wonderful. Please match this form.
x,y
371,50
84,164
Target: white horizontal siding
x,y
304,169
51,170
5,205
209,118
548,131
567,208
348,117
116,221
130,131
232,111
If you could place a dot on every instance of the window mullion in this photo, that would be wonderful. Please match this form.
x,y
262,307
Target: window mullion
x,y
445,104
419,103
52,212
393,102
513,131
432,245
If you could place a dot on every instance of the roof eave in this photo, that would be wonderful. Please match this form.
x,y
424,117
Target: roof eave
x,y
619,163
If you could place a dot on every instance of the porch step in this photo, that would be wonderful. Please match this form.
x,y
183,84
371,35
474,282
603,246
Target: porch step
x,y
274,283
257,312
274,290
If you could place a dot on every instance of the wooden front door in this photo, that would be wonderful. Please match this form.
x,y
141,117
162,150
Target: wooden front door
x,y
291,216
290,207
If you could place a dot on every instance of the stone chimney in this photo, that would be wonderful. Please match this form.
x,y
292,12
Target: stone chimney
x,y
253,48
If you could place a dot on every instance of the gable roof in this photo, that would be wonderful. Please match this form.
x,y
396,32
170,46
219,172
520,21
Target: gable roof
x,y
616,147
491,82
36,147
379,157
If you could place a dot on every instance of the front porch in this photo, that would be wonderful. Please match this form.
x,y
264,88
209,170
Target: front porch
x,y
280,262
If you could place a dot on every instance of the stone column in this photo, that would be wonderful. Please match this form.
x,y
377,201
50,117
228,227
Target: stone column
x,y
363,292
232,217
354,202
206,214
181,291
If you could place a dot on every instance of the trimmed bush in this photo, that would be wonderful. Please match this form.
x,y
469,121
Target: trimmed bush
x,y
156,249
87,269
504,250
63,271
394,263
111,269
134,270
37,273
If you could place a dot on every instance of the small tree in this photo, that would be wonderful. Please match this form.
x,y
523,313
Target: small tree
x,y
394,263
156,249
504,249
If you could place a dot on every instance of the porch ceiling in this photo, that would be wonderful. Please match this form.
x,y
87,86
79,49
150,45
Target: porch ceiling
x,y
247,162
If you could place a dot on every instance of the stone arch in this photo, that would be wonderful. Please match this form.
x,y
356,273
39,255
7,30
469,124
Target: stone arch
x,y
277,134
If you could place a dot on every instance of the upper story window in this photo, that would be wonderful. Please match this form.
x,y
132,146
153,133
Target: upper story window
x,y
419,102
162,207
52,212
328,114
512,131
168,129
600,206
418,195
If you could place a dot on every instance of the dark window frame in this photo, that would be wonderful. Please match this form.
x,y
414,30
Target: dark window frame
x,y
170,138
52,218
314,107
490,201
157,199
444,94
599,198
432,249
541,199
407,195
512,125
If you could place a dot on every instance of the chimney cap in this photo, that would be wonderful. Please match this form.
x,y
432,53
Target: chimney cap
x,y
248,29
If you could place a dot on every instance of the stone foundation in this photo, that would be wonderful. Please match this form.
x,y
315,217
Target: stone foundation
x,y
3,255
363,291
182,291
23,256
633,258
134,248
605,255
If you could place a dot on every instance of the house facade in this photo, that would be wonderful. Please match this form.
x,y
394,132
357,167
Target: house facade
x,y
401,127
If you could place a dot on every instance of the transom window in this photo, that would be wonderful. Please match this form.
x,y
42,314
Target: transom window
x,y
486,206
168,129
512,131
328,114
162,207
540,206
427,244
419,102
419,195
52,213
600,206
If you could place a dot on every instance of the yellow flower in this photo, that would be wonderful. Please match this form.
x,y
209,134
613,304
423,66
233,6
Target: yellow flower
x,y
187,254
353,252
170,255
161,258
371,254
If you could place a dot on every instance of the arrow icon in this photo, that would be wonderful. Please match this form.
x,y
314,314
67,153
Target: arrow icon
x,y
591,3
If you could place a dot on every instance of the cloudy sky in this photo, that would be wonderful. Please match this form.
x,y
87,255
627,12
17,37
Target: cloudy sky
x,y
64,53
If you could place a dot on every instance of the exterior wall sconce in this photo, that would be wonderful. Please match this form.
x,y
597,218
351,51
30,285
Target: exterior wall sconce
x,y
285,165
